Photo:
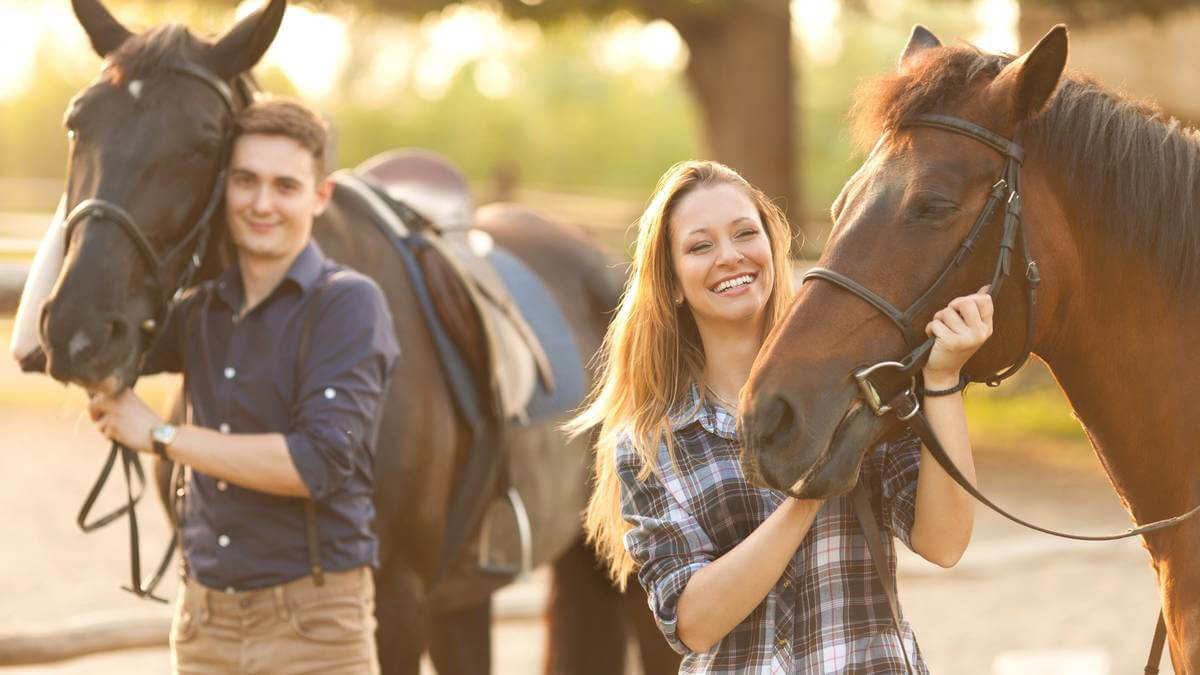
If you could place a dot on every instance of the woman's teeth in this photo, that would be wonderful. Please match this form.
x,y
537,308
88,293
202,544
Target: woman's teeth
x,y
734,283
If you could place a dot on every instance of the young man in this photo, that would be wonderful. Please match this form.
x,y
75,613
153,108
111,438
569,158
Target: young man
x,y
275,429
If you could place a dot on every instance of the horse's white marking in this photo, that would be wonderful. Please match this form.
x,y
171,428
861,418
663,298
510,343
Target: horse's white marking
x,y
78,343
135,89
1077,661
47,263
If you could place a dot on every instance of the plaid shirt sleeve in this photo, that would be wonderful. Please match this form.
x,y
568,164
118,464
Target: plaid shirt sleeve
x,y
667,542
900,464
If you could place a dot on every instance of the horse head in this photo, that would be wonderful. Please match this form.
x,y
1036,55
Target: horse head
x,y
148,140
899,224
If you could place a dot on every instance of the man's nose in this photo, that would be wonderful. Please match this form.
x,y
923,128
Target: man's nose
x,y
262,200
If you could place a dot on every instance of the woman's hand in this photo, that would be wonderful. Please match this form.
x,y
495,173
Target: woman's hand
x,y
959,331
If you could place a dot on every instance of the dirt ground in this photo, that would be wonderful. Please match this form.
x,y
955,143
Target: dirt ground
x,y
1018,602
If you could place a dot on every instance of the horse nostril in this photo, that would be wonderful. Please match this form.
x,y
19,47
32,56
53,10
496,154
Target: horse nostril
x,y
777,420
118,329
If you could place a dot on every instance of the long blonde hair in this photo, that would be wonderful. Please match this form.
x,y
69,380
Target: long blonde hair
x,y
652,352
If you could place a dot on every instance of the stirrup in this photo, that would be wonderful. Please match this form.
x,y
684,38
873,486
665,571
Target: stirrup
x,y
524,535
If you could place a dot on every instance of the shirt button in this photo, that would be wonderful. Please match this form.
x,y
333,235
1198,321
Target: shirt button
x,y
223,486
224,428
223,541
787,583
329,392
229,373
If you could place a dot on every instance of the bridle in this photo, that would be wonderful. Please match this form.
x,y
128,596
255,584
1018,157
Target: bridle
x,y
905,402
101,210
1006,191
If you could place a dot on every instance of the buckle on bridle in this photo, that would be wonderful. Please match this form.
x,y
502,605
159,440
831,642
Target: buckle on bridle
x,y
871,395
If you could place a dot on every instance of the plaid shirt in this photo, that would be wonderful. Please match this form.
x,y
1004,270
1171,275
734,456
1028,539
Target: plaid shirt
x,y
828,612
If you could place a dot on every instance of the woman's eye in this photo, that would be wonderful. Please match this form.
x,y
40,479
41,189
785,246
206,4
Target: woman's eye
x,y
699,248
747,233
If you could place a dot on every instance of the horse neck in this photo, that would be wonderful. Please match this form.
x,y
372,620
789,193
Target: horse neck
x,y
1119,344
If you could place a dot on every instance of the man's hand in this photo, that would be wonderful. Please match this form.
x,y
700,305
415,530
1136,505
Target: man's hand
x,y
959,331
124,418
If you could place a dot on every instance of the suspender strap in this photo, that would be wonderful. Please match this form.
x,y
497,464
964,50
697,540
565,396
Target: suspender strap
x,y
866,520
310,508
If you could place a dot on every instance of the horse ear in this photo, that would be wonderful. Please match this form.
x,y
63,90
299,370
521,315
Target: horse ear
x,y
1028,83
238,50
920,40
104,32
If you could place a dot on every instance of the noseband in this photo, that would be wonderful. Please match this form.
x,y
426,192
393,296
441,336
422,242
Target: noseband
x,y
1006,190
197,237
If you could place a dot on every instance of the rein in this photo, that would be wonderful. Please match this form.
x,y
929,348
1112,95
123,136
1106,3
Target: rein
x,y
101,210
905,402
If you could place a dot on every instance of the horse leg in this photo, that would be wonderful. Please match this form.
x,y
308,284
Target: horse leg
x,y
657,656
400,610
462,640
585,632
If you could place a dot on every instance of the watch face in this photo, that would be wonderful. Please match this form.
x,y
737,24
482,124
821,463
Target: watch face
x,y
163,433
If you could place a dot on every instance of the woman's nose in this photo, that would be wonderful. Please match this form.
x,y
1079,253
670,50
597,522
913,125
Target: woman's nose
x,y
730,254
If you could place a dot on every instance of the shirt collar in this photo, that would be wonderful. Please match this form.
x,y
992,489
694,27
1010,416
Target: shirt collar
x,y
712,416
304,272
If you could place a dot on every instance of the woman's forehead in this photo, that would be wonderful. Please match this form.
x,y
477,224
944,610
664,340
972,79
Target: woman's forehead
x,y
712,206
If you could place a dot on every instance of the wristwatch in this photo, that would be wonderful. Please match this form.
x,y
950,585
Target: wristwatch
x,y
161,436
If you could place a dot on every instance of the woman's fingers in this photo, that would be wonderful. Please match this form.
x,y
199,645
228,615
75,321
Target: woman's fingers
x,y
953,320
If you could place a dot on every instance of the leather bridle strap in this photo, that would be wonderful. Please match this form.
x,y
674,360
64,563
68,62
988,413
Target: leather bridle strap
x,y
865,515
101,210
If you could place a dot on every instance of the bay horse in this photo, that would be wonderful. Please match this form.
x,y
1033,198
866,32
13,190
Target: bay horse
x,y
148,140
1108,245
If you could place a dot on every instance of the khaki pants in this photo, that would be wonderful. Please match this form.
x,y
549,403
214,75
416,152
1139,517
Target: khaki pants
x,y
292,628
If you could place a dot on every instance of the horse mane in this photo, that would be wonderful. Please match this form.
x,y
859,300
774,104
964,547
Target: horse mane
x,y
153,52
1135,168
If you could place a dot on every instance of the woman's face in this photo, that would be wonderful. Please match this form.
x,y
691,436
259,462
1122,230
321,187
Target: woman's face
x,y
721,255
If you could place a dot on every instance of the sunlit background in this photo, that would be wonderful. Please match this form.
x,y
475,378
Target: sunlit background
x,y
578,116
538,103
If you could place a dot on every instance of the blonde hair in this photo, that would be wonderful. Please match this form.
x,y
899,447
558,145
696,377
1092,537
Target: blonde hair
x,y
652,352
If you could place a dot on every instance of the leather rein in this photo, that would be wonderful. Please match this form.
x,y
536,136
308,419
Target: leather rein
x,y
101,210
905,402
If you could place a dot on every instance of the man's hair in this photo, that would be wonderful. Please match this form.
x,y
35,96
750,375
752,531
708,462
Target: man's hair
x,y
288,118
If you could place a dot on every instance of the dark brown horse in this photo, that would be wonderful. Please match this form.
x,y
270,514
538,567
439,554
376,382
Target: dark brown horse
x,y
148,139
1112,217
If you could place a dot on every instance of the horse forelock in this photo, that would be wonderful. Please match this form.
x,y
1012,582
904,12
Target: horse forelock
x,y
1132,170
940,79
153,53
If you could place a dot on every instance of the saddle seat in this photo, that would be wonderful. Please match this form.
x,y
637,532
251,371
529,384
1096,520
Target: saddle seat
x,y
437,191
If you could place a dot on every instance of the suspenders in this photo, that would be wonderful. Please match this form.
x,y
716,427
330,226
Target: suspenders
x,y
311,535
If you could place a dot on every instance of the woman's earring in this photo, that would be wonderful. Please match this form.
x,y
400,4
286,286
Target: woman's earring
x,y
678,301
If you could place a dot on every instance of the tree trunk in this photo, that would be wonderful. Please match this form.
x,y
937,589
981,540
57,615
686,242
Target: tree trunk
x,y
741,73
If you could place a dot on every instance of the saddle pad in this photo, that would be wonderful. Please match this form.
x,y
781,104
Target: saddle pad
x,y
542,313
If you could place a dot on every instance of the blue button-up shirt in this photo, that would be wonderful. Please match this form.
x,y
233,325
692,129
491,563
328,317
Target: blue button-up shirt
x,y
243,377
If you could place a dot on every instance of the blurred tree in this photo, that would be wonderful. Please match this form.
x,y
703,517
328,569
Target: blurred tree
x,y
740,71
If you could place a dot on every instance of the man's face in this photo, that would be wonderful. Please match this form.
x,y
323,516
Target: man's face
x,y
272,196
